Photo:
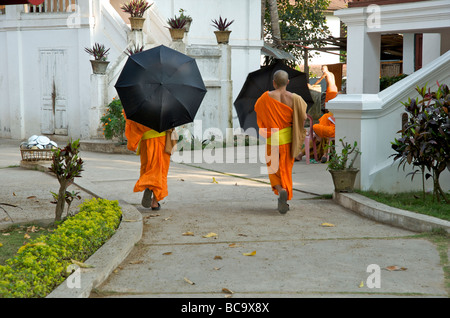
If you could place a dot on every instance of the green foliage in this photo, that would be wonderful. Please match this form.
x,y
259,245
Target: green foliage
x,y
339,161
136,8
98,51
41,265
222,24
66,165
386,81
304,20
177,22
113,121
425,138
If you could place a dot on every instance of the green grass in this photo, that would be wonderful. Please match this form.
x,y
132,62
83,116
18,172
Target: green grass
x,y
13,238
412,201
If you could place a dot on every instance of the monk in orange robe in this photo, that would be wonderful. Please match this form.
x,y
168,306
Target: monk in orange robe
x,y
280,117
332,89
155,161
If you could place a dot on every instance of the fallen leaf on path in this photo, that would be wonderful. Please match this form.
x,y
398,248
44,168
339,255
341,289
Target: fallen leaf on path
x,y
232,245
211,234
361,284
188,234
217,257
217,268
81,264
327,224
188,281
167,218
395,268
227,291
167,253
249,254
136,262
31,197
214,180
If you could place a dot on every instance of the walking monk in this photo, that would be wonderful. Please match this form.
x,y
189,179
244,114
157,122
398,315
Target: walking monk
x,y
155,161
280,116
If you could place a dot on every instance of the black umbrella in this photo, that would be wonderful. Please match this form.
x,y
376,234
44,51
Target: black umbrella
x,y
259,82
160,88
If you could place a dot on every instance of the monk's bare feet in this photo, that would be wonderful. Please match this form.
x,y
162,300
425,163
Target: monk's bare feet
x,y
155,204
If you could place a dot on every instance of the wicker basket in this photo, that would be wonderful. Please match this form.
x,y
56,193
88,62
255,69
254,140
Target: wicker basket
x,y
37,154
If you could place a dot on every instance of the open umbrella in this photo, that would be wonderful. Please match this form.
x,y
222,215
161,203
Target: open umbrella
x,y
259,82
160,88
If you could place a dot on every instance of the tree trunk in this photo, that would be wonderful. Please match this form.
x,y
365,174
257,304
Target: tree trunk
x,y
61,201
275,22
263,14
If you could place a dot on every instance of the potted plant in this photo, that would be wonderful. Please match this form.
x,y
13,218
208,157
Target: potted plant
x,y
343,174
136,9
188,19
222,33
100,54
176,27
133,50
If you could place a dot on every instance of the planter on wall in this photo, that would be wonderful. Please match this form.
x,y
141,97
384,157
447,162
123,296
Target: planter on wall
x,y
137,23
177,34
99,67
344,180
222,36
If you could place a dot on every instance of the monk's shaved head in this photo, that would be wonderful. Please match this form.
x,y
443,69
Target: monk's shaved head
x,y
281,78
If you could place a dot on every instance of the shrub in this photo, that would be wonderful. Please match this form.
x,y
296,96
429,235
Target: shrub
x,y
66,165
425,138
40,266
113,121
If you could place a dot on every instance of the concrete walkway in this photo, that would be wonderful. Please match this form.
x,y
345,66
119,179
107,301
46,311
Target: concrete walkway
x,y
196,246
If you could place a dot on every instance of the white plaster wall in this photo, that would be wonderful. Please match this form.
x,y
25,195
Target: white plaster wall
x,y
245,39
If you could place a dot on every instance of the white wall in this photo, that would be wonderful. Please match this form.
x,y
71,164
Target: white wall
x,y
245,39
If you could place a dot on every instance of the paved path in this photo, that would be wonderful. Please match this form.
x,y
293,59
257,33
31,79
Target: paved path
x,y
294,256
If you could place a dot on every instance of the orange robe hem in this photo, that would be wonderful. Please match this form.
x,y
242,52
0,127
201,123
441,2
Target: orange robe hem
x,y
155,161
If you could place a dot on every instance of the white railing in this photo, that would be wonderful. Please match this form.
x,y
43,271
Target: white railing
x,y
52,6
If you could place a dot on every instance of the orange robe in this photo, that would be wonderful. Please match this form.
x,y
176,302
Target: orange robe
x,y
272,114
325,128
154,160
330,93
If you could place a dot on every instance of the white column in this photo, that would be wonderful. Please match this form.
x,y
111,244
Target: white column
x,y
363,60
431,47
408,53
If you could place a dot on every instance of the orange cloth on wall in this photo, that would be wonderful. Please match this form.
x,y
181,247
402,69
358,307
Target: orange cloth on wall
x,y
154,160
272,114
326,127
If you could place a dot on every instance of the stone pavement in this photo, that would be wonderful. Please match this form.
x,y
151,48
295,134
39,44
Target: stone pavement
x,y
295,256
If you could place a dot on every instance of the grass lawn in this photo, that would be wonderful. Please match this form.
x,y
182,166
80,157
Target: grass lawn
x,y
412,201
13,238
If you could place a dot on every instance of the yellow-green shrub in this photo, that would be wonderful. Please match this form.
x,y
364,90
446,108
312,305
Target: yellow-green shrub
x,y
40,265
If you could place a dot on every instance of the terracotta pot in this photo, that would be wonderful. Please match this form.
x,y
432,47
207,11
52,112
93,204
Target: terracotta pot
x,y
222,36
344,180
177,34
136,23
99,67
